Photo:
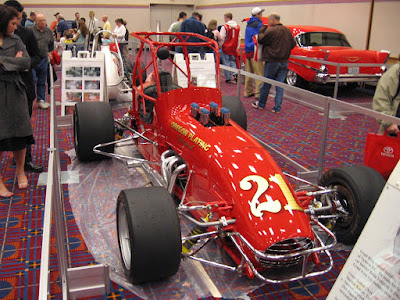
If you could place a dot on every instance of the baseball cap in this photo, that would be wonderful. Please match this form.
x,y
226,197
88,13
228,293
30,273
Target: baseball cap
x,y
256,11
56,14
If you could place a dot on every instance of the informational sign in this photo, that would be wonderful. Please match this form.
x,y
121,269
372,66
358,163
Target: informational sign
x,y
202,71
83,78
372,270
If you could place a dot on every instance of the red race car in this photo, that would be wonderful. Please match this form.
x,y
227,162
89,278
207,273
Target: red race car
x,y
207,169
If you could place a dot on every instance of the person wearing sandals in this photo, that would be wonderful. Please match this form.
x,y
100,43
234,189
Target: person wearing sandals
x,y
15,124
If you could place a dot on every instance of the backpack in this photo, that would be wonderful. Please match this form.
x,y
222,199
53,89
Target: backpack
x,y
126,37
232,38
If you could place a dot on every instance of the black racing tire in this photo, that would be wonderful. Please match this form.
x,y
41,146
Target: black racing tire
x,y
358,188
149,235
238,113
93,125
293,79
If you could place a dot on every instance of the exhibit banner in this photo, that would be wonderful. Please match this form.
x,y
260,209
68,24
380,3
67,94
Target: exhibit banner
x,y
372,270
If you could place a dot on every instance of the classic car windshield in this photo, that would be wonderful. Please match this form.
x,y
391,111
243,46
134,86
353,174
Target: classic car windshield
x,y
318,39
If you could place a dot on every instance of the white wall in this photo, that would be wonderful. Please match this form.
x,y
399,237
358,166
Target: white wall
x,y
351,17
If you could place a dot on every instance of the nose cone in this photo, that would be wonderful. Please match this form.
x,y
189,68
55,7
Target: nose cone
x,y
263,202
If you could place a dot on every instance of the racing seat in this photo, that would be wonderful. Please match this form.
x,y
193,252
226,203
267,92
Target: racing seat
x,y
166,85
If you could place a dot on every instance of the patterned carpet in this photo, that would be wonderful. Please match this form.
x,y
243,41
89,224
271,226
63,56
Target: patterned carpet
x,y
295,132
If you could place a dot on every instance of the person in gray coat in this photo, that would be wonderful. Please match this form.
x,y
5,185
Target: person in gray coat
x,y
15,124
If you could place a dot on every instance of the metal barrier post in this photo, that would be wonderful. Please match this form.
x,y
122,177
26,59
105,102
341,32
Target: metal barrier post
x,y
75,282
324,135
335,91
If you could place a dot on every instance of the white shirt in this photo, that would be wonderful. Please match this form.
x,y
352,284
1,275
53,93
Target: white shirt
x,y
93,25
120,32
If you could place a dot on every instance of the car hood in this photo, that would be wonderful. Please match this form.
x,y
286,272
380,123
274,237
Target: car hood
x,y
263,201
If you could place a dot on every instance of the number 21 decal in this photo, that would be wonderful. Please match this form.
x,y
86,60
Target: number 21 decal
x,y
272,206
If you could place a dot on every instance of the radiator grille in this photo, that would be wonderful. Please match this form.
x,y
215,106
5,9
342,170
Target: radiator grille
x,y
287,246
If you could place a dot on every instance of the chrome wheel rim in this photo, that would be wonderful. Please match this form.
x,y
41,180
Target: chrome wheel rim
x,y
123,236
291,78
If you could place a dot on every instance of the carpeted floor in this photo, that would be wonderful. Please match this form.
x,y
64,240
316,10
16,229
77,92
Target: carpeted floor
x,y
296,132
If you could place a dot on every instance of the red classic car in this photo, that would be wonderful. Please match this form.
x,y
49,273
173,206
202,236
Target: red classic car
x,y
208,170
332,46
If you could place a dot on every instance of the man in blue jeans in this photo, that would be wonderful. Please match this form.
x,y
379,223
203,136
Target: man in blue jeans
x,y
45,41
277,42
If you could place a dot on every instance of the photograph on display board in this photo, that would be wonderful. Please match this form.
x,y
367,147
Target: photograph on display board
x,y
73,84
74,97
92,85
73,72
92,71
91,97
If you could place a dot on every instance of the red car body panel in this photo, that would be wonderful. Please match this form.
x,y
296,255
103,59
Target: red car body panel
x,y
335,54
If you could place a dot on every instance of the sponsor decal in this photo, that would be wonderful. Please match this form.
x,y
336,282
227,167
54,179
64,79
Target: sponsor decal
x,y
191,136
388,152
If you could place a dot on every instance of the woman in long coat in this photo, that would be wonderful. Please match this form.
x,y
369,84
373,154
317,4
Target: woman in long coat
x,y
15,125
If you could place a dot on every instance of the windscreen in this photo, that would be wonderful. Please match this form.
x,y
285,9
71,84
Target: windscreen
x,y
321,39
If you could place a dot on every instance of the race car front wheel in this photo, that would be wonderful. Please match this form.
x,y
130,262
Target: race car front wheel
x,y
93,125
357,190
149,234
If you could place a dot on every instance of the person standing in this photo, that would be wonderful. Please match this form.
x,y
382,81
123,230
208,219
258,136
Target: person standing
x,y
193,25
387,98
45,41
75,23
106,26
176,26
229,44
31,20
62,26
277,42
23,20
92,26
30,43
256,67
119,33
15,124
80,38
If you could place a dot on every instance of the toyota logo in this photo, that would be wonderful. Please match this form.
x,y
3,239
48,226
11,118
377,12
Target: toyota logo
x,y
388,150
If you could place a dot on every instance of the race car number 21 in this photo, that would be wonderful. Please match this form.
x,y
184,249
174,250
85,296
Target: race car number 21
x,y
272,206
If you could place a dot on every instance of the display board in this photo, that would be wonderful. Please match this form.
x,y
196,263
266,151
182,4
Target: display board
x,y
372,270
202,70
83,79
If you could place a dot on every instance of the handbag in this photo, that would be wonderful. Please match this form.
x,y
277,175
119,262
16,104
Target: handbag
x,y
382,152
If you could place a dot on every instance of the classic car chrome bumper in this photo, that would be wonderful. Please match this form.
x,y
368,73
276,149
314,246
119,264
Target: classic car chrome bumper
x,y
329,78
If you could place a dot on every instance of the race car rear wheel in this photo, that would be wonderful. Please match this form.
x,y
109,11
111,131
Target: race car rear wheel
x,y
358,188
149,234
293,79
238,113
93,125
